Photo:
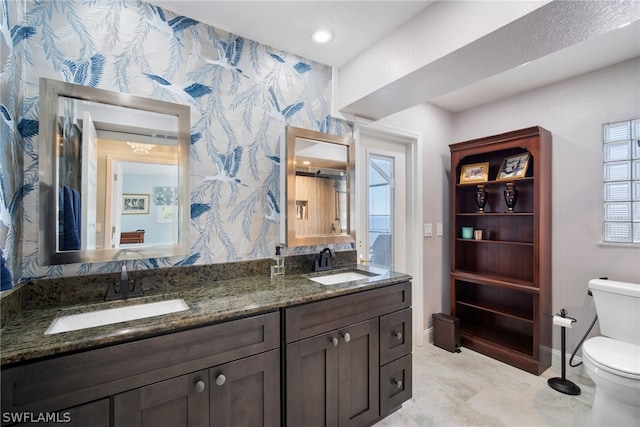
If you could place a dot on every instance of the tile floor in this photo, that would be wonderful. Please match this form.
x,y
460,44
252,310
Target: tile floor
x,y
470,389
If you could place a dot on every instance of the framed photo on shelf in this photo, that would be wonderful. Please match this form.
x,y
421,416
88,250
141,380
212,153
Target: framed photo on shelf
x,y
135,203
514,167
477,172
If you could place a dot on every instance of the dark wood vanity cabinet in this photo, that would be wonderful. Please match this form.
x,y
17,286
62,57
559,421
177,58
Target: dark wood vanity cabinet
x,y
240,393
501,282
341,361
347,358
219,375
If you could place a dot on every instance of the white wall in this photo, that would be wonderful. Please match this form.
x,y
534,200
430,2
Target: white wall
x,y
435,126
574,111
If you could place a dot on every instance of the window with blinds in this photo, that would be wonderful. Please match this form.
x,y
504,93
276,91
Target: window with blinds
x,y
621,141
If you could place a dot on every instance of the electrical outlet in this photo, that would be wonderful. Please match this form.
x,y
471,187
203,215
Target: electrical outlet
x,y
439,229
428,230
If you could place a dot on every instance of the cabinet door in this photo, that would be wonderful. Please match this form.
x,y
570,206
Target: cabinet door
x,y
333,378
94,414
358,374
312,381
177,402
246,392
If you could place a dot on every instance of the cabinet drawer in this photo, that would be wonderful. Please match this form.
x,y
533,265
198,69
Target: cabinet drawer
x,y
395,384
67,381
315,318
395,335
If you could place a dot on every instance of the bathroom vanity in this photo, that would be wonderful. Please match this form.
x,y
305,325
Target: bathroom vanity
x,y
249,351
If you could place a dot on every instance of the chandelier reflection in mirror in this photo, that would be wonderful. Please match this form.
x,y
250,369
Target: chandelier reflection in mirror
x,y
140,148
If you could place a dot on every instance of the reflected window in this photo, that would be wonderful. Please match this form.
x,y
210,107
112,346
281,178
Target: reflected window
x,y
380,209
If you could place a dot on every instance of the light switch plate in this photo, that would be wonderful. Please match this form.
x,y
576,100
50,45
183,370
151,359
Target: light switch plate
x,y
439,229
428,230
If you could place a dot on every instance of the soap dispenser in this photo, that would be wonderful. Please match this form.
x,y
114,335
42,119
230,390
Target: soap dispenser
x,y
277,270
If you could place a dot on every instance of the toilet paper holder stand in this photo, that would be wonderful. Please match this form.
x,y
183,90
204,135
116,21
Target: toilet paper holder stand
x,y
562,384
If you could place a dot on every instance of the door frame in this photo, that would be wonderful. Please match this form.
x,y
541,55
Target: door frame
x,y
414,153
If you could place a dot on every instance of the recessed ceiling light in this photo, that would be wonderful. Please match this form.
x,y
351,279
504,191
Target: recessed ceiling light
x,y
322,36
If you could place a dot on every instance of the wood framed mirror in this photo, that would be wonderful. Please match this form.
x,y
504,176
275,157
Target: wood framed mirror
x,y
111,164
318,177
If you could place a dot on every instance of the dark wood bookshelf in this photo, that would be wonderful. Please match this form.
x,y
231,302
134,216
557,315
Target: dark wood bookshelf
x,y
501,284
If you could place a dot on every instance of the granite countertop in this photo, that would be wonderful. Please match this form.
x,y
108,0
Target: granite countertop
x,y
22,336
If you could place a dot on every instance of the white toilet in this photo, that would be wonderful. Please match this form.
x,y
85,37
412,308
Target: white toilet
x,y
613,360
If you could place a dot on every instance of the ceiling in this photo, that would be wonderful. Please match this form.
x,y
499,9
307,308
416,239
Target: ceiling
x,y
288,25
358,25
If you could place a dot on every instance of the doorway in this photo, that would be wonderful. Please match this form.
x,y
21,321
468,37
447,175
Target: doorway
x,y
389,206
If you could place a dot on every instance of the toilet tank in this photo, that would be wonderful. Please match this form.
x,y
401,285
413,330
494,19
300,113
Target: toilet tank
x,y
618,309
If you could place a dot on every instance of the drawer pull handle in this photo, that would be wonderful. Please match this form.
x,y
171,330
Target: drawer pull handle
x,y
199,386
398,384
334,341
347,337
221,379
398,335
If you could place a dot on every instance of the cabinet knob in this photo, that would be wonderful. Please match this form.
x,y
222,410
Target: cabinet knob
x,y
398,384
334,341
347,337
199,386
398,335
221,379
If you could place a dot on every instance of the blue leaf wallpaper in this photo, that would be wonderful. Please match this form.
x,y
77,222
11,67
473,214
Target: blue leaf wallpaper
x,y
242,95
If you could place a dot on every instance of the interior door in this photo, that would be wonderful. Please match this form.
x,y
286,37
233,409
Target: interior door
x,y
402,177
89,184
114,209
383,237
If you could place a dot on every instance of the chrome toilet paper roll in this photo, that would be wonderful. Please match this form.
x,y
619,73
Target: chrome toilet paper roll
x,y
565,322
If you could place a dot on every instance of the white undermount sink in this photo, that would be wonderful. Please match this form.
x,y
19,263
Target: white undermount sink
x,y
334,279
74,322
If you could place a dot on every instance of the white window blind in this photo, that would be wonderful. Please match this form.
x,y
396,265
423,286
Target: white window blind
x,y
621,141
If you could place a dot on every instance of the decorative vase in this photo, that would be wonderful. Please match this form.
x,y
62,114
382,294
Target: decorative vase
x,y
511,196
481,197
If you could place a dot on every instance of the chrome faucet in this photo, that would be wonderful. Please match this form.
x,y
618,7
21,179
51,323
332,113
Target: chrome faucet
x,y
122,288
323,260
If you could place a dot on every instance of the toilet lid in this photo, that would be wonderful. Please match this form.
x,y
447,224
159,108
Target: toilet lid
x,y
617,357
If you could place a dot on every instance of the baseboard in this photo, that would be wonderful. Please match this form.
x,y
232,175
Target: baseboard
x,y
556,363
428,335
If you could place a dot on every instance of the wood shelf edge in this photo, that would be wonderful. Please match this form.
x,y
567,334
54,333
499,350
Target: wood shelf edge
x,y
500,311
503,354
497,242
504,282
493,182
481,214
